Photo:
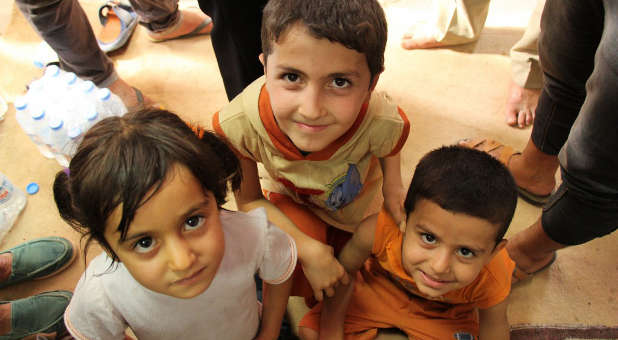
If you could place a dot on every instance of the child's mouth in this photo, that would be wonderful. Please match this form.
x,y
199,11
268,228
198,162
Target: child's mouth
x,y
433,282
311,128
189,280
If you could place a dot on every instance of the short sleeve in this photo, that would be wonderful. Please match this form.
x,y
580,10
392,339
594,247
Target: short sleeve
x,y
389,128
280,256
90,315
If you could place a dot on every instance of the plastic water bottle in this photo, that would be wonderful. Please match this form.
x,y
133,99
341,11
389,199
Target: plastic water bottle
x,y
44,55
112,104
42,132
12,202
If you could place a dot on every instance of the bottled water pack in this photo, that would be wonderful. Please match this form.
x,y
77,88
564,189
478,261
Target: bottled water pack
x,y
12,202
59,108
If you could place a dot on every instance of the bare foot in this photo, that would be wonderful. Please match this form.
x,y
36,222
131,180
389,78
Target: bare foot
x,y
190,20
531,248
420,37
521,105
128,95
414,42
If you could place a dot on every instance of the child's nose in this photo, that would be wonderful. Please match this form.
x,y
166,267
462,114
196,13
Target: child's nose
x,y
441,262
311,107
180,255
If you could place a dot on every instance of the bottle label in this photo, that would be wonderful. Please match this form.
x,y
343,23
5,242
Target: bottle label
x,y
6,191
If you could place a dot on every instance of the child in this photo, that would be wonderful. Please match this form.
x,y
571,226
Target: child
x,y
430,279
176,265
323,137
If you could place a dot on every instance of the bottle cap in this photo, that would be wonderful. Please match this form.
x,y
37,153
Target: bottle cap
x,y
38,114
55,123
74,132
32,188
105,93
92,114
21,103
52,71
70,78
87,86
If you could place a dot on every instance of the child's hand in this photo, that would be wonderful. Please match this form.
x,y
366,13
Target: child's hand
x,y
322,269
393,203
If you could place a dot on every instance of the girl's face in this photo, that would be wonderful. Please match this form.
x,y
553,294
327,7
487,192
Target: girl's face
x,y
175,243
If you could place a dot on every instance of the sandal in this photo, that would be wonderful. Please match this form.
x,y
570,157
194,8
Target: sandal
x,y
162,36
119,22
520,275
505,154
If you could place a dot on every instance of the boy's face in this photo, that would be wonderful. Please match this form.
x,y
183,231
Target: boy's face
x,y
443,251
316,87
175,243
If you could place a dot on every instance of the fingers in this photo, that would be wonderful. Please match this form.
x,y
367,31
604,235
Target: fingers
x,y
330,291
318,295
345,279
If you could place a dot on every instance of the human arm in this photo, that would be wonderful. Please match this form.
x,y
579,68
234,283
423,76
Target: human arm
x,y
352,257
493,322
392,187
274,305
319,264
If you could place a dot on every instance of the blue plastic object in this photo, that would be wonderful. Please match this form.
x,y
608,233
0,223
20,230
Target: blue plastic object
x,y
32,188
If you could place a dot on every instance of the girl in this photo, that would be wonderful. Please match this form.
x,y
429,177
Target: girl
x,y
176,265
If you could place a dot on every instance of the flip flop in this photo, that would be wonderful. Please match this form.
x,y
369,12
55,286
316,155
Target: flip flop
x,y
520,275
119,22
157,36
505,154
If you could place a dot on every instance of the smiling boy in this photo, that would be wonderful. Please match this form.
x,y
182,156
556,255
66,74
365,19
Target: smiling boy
x,y
430,279
328,144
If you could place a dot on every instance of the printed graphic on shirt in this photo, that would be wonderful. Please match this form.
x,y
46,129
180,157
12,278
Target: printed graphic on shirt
x,y
344,189
464,336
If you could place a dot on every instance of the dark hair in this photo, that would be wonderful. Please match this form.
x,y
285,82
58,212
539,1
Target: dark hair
x,y
468,181
356,24
121,159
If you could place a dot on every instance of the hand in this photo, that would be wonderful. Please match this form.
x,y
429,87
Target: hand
x,y
393,204
322,269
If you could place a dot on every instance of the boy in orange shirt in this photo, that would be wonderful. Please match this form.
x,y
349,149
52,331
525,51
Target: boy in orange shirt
x,y
329,146
430,279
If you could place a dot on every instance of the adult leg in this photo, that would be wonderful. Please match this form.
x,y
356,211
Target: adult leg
x,y
578,46
454,22
164,21
65,27
236,41
527,77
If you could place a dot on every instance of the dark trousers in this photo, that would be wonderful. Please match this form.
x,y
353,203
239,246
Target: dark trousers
x,y
577,117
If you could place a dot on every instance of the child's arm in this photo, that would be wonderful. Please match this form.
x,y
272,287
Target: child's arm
x,y
392,187
352,257
493,322
321,268
274,305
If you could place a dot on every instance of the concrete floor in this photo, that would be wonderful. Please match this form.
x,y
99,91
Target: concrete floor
x,y
448,94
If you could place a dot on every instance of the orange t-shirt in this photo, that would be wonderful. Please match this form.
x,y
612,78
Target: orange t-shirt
x,y
491,286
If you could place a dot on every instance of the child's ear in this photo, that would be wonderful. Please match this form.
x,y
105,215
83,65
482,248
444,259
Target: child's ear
x,y
263,61
374,82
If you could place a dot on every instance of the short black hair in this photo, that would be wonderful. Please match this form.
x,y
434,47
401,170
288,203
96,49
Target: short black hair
x,y
121,159
468,181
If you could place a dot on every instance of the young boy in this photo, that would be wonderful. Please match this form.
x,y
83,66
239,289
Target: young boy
x,y
323,137
430,279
